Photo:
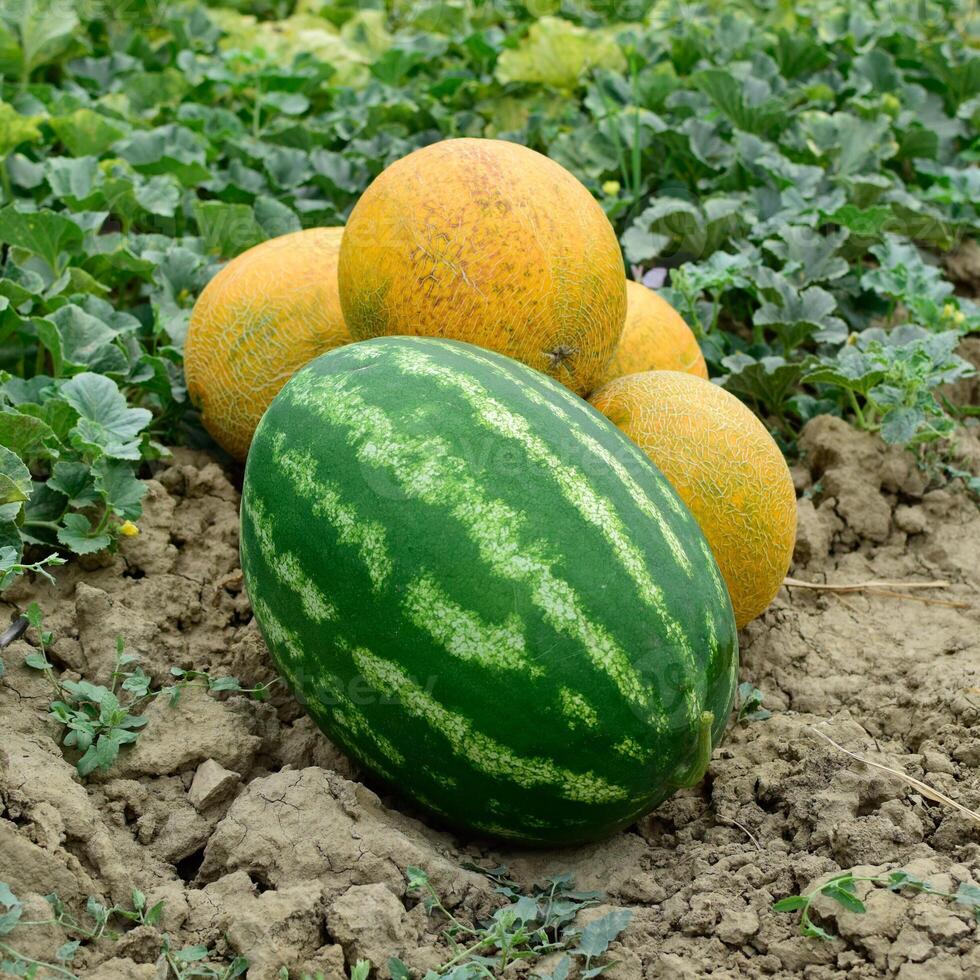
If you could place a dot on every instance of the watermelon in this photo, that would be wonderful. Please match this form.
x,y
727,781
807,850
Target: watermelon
x,y
483,591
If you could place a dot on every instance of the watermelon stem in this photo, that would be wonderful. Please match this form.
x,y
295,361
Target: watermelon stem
x,y
694,772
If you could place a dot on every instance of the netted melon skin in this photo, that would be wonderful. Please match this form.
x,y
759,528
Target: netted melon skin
x,y
487,242
724,465
268,312
655,338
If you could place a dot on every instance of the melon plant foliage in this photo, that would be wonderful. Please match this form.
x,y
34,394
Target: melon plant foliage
x,y
800,171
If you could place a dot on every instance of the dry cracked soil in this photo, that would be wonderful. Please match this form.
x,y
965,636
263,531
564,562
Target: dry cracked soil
x,y
265,841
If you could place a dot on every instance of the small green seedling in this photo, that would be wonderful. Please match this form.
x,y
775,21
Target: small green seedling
x,y
750,703
842,889
192,961
20,965
530,927
100,720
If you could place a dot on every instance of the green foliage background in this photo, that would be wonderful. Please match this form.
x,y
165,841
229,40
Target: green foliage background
x,y
790,170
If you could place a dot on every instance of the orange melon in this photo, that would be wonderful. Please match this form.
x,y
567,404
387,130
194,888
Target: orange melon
x,y
488,242
655,338
725,466
261,318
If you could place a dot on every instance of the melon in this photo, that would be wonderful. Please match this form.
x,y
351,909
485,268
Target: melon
x,y
483,592
487,242
655,338
727,469
265,314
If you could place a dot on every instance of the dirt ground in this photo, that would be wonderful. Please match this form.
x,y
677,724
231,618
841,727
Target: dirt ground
x,y
290,859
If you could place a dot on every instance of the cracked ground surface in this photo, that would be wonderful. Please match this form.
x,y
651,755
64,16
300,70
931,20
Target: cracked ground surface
x,y
298,861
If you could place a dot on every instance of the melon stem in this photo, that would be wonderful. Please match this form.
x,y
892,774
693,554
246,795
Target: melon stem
x,y
694,772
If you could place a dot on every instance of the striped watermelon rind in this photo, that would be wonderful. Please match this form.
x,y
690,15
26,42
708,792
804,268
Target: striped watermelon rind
x,y
483,592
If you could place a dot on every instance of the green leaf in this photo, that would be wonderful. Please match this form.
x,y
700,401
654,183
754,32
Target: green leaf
x,y
77,339
416,877
227,229
16,129
968,894
159,195
812,930
29,437
11,917
15,478
768,380
595,938
791,903
398,970
44,233
72,179
75,481
746,107
865,222
797,314
843,894
78,535
169,149
808,256
900,424
122,491
361,970
191,954
106,422
66,952
218,684
275,218
86,132
558,53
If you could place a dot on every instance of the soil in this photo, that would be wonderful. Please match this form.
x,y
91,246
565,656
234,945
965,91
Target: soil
x,y
265,841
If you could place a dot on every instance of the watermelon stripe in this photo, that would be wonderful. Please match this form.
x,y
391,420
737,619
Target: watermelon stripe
x,y
572,482
479,750
286,565
559,396
329,689
577,709
368,536
490,524
631,747
463,633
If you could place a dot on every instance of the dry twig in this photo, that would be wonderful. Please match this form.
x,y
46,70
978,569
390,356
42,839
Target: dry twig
x,y
924,788
881,587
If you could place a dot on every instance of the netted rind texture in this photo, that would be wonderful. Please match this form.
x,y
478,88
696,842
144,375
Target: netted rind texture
x,y
491,243
268,312
724,465
655,338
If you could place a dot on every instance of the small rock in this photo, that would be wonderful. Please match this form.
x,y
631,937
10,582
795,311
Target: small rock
x,y
937,762
942,925
212,782
328,962
737,926
912,520
122,968
197,728
814,533
369,922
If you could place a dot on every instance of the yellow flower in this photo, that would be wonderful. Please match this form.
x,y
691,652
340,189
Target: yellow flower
x,y
611,187
128,529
